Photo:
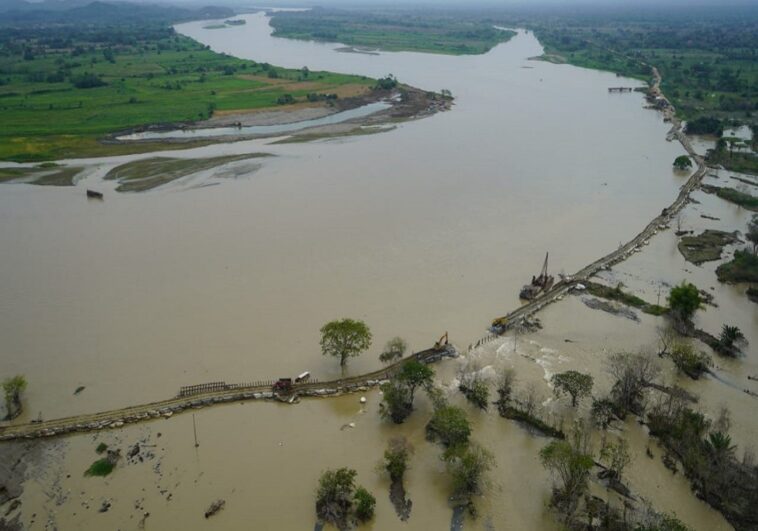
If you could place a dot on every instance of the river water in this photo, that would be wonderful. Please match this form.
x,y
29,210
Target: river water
x,y
431,227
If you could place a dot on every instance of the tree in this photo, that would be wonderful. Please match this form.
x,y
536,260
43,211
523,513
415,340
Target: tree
x,y
396,401
12,388
334,497
399,392
570,467
752,232
573,383
467,466
396,457
617,457
364,504
505,390
691,363
730,335
449,425
602,412
344,338
682,162
632,373
414,374
393,350
473,387
684,300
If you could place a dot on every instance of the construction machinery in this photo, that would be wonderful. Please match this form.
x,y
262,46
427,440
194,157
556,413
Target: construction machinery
x,y
540,283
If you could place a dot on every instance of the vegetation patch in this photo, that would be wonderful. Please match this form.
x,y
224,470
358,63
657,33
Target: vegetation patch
x,y
707,246
42,176
142,175
311,137
65,86
393,30
739,162
101,467
617,294
742,268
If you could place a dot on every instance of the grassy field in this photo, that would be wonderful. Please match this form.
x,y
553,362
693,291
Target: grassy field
x,y
706,56
58,96
392,30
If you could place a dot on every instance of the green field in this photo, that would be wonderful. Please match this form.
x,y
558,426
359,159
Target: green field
x,y
392,30
59,95
708,58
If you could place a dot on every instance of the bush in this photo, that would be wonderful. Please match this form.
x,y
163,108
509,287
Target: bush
x,y
691,363
101,448
364,504
101,467
449,425
88,81
396,458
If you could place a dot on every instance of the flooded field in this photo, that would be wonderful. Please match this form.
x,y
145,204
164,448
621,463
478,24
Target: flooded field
x,y
428,228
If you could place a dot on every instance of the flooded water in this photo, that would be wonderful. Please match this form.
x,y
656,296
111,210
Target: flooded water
x,y
431,227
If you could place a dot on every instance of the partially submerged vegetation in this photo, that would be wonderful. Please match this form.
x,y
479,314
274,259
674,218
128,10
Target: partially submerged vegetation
x,y
707,58
742,268
392,29
733,195
619,295
146,174
707,246
41,175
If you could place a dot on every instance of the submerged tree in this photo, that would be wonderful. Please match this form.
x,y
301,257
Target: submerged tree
x,y
364,504
573,383
570,462
730,336
345,338
467,466
398,394
396,457
334,497
617,457
393,350
474,388
13,388
449,425
633,373
684,301
505,385
682,162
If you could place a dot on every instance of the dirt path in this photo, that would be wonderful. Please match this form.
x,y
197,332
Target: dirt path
x,y
166,408
634,245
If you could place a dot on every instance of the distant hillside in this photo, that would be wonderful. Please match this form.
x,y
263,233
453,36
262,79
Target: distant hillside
x,y
21,13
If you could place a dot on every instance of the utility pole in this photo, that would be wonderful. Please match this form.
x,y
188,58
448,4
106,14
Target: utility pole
x,y
194,428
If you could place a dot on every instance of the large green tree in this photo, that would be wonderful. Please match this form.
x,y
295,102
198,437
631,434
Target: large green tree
x,y
573,383
684,300
345,338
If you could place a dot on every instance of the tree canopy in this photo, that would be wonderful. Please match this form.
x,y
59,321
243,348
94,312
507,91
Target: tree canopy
x,y
12,388
345,338
684,300
394,349
449,425
682,162
573,383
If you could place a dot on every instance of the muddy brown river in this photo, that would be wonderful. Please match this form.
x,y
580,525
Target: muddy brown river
x,y
428,228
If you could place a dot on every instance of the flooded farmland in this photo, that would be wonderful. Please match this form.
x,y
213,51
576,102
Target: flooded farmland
x,y
428,228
